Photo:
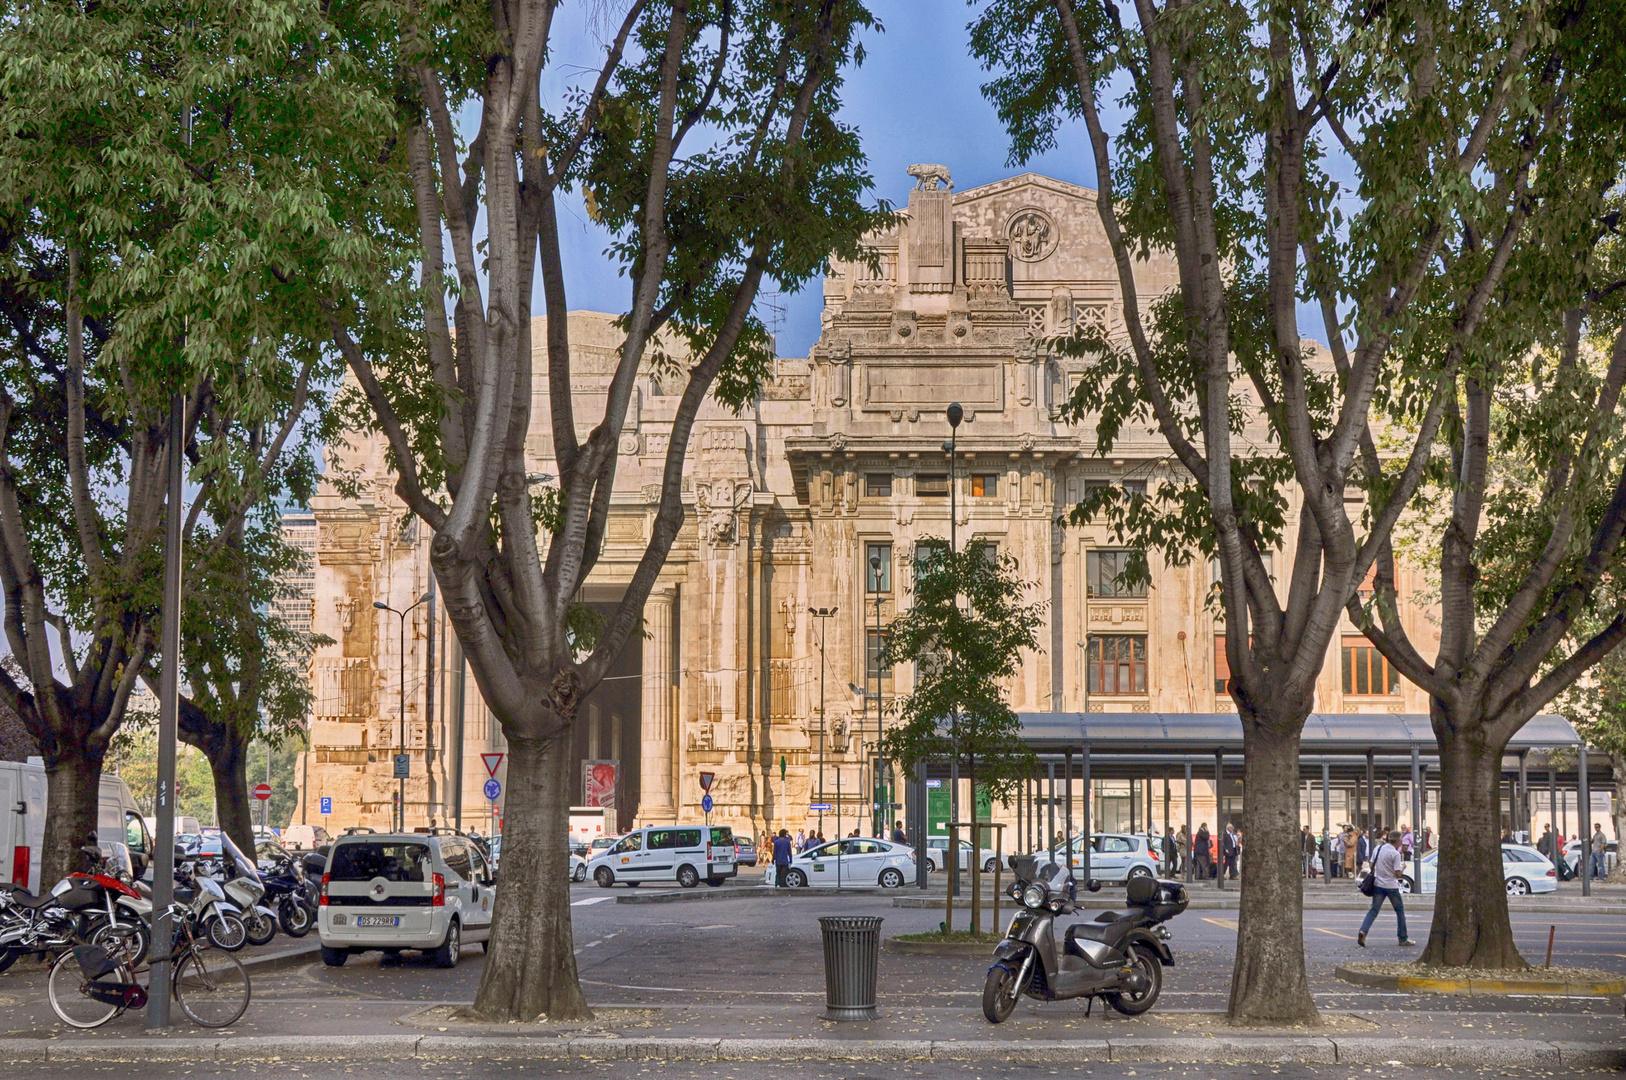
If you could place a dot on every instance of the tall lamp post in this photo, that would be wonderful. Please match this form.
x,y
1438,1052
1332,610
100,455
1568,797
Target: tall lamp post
x,y
879,765
821,614
955,414
399,825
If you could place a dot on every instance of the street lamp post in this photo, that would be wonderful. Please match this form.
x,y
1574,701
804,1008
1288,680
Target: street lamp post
x,y
821,614
399,824
955,414
879,768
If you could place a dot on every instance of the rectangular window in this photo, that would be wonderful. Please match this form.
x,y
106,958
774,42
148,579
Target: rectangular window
x,y
1104,573
878,568
932,485
875,666
1366,672
1117,664
984,485
927,553
1222,666
878,485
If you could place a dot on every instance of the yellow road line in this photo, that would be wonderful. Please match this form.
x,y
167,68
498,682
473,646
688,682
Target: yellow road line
x,y
1227,924
1334,933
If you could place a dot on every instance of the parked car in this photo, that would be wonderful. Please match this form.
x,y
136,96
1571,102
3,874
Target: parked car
x,y
853,861
305,837
602,844
1572,855
402,891
745,851
685,854
578,867
1524,869
1115,857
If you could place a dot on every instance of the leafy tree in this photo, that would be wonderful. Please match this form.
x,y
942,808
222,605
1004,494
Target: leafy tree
x,y
1237,119
707,145
169,173
966,631
1597,707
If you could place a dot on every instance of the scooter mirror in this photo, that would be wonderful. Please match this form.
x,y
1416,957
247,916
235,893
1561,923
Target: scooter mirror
x,y
1094,886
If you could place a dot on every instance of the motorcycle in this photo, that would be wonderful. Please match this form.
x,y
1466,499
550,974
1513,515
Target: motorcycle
x,y
95,907
285,890
1118,956
212,915
240,879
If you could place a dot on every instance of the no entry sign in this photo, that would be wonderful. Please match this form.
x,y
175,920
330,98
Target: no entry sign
x,y
262,791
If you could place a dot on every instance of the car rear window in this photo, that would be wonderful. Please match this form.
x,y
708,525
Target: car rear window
x,y
397,861
721,835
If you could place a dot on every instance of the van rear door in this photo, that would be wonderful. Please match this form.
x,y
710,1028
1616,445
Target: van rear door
x,y
720,856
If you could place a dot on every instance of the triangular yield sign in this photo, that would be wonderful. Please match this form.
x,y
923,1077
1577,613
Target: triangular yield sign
x,y
492,761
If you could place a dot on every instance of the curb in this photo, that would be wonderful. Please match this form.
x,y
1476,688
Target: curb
x,y
1410,984
937,948
1263,1049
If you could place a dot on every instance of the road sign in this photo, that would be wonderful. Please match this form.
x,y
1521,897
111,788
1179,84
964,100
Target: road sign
x,y
493,789
706,804
492,761
705,780
934,783
262,791
781,766
403,766
820,806
327,805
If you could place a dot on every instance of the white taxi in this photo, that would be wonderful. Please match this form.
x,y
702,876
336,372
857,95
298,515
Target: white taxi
x,y
858,860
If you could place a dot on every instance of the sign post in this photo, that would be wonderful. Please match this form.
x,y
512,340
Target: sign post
x,y
262,792
781,791
492,762
706,779
326,807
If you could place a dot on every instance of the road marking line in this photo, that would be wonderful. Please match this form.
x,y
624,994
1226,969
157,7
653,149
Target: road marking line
x,y
1224,924
1334,933
590,900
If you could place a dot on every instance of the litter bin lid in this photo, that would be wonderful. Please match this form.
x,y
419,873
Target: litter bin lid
x,y
850,922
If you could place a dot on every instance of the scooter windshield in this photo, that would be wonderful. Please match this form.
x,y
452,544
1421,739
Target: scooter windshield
x,y
245,866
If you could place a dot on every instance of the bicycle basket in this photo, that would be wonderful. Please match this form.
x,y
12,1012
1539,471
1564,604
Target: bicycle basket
x,y
94,961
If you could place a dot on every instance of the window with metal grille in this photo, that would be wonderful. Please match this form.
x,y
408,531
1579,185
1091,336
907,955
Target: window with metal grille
x,y
1104,573
1367,673
1117,664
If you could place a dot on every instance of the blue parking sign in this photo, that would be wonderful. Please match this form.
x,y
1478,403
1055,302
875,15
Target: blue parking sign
x,y
327,805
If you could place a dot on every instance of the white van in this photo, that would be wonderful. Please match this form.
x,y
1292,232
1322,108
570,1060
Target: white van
x,y
680,853
22,822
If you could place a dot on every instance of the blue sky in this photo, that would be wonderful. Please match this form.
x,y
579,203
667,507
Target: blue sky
x,y
916,99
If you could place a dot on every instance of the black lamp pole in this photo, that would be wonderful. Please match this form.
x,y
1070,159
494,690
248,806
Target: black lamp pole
x,y
399,824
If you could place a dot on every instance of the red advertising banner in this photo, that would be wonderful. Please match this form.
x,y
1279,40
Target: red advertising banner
x,y
598,782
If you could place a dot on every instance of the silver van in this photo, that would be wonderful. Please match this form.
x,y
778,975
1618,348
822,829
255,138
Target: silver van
x,y
390,892
686,854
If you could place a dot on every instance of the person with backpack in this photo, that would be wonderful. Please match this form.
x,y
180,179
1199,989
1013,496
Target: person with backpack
x,y
1384,884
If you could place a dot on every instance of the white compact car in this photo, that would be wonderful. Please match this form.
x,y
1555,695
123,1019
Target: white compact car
x,y
1116,857
854,861
937,855
578,867
685,854
1525,870
401,891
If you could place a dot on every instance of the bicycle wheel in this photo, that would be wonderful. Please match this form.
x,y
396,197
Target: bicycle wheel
x,y
212,988
72,1005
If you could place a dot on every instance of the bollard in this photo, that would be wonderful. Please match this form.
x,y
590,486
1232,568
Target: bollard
x,y
852,946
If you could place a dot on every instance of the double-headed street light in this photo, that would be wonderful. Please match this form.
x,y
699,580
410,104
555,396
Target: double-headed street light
x,y
399,824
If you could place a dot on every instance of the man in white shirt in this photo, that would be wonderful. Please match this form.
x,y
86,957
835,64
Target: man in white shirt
x,y
1386,865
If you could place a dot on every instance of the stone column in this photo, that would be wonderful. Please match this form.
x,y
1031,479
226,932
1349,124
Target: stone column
x,y
655,758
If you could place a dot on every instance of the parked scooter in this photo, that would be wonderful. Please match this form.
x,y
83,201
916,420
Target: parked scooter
x,y
1118,957
212,915
285,892
240,878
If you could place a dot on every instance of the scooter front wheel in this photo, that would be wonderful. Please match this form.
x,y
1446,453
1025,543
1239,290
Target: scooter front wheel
x,y
999,994
1148,973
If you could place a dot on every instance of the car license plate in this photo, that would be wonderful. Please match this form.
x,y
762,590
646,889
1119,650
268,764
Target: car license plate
x,y
378,920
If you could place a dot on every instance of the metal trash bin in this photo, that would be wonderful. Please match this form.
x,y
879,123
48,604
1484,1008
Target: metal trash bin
x,y
852,946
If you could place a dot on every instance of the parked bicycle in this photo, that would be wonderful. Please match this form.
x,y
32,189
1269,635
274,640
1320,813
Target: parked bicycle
x,y
91,984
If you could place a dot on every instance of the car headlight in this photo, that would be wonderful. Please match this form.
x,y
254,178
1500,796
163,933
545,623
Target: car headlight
x,y
1034,896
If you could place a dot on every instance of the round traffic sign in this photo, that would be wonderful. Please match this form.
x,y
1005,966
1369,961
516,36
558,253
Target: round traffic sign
x,y
705,804
262,791
493,789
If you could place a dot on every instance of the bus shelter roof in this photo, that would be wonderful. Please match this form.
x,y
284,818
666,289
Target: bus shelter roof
x,y
1196,733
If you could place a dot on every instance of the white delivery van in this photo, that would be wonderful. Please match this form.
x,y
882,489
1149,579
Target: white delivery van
x,y
22,822
589,823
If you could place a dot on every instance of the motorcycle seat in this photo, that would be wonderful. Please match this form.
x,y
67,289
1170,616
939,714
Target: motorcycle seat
x,y
25,899
1106,933
1113,916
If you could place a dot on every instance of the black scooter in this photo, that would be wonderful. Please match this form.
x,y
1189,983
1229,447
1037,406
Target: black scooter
x,y
1118,957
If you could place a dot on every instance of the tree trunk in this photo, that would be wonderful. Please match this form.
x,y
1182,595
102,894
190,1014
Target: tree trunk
x,y
234,809
1268,981
530,969
72,794
1471,926
1617,765
976,860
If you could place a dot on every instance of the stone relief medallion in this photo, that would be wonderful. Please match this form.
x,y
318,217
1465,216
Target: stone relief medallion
x,y
1032,234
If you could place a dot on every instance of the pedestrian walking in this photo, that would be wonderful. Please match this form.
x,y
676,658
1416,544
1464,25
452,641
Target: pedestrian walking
x,y
1335,853
1386,864
1545,844
1183,847
801,841
1199,851
1171,855
1230,850
781,859
1406,841
1600,845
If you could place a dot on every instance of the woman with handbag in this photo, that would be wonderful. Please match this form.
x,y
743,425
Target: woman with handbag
x,y
1383,883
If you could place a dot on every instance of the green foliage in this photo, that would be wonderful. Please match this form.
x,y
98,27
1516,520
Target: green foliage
x,y
966,632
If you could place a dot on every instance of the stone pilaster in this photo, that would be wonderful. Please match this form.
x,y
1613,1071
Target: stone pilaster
x,y
655,765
